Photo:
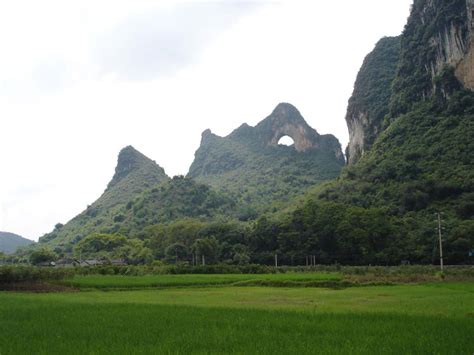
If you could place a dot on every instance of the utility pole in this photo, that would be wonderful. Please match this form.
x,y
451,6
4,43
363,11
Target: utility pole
x,y
441,264
276,260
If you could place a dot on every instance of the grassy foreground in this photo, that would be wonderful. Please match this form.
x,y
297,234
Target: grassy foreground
x,y
409,319
156,281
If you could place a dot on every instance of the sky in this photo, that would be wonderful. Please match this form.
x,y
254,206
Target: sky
x,y
79,80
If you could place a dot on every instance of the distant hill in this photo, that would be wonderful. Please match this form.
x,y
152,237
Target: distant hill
x,y
10,242
260,174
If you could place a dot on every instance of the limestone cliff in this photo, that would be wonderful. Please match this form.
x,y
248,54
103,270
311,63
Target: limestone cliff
x,y
286,120
370,99
422,161
455,44
434,57
441,33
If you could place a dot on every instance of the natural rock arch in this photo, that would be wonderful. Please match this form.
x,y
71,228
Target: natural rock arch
x,y
286,141
287,121
298,133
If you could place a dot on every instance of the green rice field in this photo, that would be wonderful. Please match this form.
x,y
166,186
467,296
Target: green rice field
x,y
434,318
157,281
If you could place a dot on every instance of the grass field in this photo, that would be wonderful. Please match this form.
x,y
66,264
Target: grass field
x,y
154,281
405,319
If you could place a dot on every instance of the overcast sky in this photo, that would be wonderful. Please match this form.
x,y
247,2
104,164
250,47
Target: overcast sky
x,y
79,80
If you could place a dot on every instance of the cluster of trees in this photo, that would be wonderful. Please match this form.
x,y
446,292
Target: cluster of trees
x,y
318,231
113,246
199,242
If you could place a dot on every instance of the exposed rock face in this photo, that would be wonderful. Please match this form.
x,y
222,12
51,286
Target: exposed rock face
x,y
391,80
455,45
452,42
286,120
461,50
442,33
358,124
370,99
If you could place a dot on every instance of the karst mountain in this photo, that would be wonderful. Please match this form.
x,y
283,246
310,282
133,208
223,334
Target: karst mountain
x,y
410,155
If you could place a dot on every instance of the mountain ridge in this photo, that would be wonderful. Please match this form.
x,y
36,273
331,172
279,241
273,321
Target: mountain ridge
x,y
134,174
260,174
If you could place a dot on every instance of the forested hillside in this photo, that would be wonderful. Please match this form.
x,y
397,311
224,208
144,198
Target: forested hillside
x,y
381,209
261,175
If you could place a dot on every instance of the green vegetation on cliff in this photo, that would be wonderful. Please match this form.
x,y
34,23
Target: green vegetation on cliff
x,y
139,195
369,103
425,33
261,175
423,161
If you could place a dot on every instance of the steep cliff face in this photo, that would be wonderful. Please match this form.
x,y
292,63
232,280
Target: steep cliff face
x,y
464,49
434,59
422,161
454,44
257,171
370,99
437,41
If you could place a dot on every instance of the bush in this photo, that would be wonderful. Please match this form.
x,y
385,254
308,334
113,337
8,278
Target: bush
x,y
43,255
14,274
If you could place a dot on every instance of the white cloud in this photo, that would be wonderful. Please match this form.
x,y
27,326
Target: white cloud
x,y
161,41
67,106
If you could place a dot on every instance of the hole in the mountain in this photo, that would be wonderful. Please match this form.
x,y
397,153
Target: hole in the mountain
x,y
286,140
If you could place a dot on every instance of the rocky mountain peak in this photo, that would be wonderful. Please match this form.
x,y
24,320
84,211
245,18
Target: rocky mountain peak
x,y
207,136
130,160
286,111
286,120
